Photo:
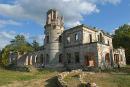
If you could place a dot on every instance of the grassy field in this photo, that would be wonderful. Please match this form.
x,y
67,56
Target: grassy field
x,y
102,80
47,78
109,78
27,79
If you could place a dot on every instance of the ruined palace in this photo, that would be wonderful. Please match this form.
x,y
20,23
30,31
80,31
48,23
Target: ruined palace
x,y
74,47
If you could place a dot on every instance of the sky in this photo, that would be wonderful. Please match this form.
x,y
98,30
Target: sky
x,y
27,17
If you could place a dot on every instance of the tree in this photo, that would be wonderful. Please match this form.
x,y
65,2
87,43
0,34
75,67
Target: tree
x,y
35,45
5,54
0,57
17,45
121,38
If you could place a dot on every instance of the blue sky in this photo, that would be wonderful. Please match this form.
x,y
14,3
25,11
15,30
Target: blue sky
x,y
110,16
27,17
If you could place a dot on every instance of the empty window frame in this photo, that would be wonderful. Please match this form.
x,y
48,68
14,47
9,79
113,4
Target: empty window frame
x,y
90,38
77,58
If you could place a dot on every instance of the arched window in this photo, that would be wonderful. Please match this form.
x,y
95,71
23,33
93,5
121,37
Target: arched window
x,y
28,60
107,58
100,38
89,60
60,39
86,60
47,59
41,58
90,37
47,39
77,59
68,58
121,58
108,42
68,40
116,58
60,58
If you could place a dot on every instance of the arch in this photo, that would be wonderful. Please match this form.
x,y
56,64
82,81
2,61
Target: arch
x,y
61,58
107,58
47,39
90,38
28,60
108,42
89,60
68,55
121,58
47,58
60,39
86,60
116,58
100,37
41,59
77,57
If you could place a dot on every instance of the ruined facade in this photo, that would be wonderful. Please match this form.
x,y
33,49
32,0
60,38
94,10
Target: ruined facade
x,y
74,47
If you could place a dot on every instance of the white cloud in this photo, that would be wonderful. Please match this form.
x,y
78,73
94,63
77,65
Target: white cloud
x,y
4,23
106,1
73,24
6,37
129,23
111,1
38,38
72,10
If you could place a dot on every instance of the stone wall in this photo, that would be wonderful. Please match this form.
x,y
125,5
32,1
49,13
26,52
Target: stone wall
x,y
88,50
81,76
119,56
105,55
35,59
62,75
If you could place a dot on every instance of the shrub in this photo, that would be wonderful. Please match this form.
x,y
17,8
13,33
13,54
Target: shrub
x,y
17,68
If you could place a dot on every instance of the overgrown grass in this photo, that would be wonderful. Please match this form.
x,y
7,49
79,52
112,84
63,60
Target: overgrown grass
x,y
109,78
7,76
117,78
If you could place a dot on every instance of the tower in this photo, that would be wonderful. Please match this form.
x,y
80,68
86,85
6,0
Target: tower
x,y
53,34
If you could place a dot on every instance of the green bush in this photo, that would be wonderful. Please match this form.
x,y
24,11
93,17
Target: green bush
x,y
16,68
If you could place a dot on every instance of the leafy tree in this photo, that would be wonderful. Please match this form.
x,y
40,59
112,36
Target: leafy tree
x,y
5,54
0,57
18,44
121,38
35,45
